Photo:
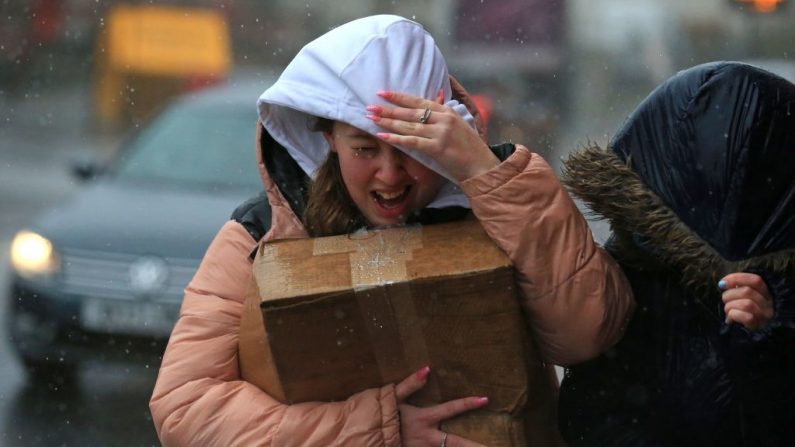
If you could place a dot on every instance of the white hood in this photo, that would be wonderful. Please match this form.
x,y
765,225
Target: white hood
x,y
338,74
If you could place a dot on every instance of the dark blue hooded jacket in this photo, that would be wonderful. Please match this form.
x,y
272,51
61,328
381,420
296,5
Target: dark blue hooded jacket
x,y
699,183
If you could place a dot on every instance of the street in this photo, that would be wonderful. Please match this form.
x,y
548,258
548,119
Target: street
x,y
109,403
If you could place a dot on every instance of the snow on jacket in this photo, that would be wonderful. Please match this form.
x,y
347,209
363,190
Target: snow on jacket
x,y
576,297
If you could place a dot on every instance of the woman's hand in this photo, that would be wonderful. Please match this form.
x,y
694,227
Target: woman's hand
x,y
420,426
444,136
746,300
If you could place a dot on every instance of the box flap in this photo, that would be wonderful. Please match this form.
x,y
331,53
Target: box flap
x,y
305,267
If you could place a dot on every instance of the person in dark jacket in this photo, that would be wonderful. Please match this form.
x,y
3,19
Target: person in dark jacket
x,y
699,188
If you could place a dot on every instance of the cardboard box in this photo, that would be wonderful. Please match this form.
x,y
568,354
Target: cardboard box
x,y
329,317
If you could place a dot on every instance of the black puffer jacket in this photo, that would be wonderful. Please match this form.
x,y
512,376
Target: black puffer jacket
x,y
699,183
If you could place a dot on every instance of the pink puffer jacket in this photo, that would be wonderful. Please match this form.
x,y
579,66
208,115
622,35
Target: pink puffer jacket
x,y
576,297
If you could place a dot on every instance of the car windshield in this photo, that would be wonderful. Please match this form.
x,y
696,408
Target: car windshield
x,y
207,147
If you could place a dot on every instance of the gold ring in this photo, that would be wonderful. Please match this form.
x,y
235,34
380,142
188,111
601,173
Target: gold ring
x,y
425,115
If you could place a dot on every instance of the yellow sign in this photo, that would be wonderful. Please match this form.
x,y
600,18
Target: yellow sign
x,y
168,40
146,54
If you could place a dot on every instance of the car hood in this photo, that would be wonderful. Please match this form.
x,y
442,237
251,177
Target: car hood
x,y
115,217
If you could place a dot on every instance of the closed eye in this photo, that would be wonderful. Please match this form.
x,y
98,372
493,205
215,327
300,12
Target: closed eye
x,y
364,151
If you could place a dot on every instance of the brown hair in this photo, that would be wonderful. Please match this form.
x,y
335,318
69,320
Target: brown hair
x,y
330,209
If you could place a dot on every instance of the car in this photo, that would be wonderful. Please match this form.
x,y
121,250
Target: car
x,y
101,277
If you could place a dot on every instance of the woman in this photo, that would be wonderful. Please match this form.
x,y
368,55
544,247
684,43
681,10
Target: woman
x,y
698,187
322,120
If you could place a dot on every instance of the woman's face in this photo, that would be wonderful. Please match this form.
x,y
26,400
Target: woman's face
x,y
384,183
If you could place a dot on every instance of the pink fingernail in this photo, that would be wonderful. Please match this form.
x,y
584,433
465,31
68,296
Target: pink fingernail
x,y
382,135
422,374
374,109
384,94
482,400
373,117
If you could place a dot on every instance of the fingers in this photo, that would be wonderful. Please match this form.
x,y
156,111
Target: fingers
x,y
408,119
455,407
410,101
745,305
401,115
740,279
747,300
744,293
412,384
752,313
746,319
405,130
445,136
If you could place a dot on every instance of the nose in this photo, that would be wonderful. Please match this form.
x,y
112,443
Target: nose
x,y
391,169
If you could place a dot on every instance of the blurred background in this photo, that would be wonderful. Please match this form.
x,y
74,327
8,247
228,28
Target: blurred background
x,y
82,80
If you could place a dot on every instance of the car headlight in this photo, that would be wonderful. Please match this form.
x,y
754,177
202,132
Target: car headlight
x,y
32,255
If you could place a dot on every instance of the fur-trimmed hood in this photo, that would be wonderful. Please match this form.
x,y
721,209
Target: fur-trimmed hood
x,y
700,178
647,233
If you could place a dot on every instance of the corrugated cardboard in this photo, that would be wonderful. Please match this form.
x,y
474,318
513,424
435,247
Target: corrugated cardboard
x,y
329,317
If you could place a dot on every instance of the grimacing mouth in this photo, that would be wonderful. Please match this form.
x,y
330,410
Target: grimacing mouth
x,y
392,198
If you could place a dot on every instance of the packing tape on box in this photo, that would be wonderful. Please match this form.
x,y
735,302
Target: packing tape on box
x,y
378,278
377,258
